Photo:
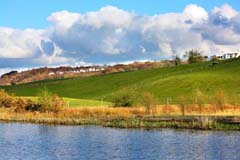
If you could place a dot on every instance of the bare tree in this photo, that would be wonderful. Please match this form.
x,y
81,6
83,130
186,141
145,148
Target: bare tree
x,y
194,56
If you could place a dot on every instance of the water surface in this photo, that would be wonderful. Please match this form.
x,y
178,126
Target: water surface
x,y
40,142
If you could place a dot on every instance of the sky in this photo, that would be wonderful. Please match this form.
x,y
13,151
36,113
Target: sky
x,y
83,32
33,14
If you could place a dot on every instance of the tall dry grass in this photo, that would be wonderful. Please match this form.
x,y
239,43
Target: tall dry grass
x,y
78,114
219,104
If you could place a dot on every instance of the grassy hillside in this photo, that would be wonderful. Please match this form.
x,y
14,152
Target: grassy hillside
x,y
73,102
163,82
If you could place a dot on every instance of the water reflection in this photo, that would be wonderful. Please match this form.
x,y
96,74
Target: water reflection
x,y
27,141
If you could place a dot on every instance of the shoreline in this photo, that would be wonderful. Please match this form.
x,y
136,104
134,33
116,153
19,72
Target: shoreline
x,y
135,117
216,123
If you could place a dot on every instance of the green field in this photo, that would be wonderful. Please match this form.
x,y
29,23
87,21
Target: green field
x,y
73,102
162,82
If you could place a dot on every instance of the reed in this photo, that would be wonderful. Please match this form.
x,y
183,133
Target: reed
x,y
194,113
134,117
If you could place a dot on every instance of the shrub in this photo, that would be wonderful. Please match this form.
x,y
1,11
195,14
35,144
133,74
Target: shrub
x,y
57,103
182,104
194,56
49,102
150,103
20,105
125,98
200,100
6,100
45,102
177,60
219,99
214,58
32,106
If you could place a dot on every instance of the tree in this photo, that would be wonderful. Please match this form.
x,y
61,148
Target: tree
x,y
150,103
177,60
214,58
194,56
7,100
49,102
125,98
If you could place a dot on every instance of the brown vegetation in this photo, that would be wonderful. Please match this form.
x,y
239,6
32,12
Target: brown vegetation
x,y
46,102
50,109
14,77
208,116
134,117
149,101
194,56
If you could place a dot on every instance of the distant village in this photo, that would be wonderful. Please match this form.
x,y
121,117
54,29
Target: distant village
x,y
228,56
98,68
43,73
77,70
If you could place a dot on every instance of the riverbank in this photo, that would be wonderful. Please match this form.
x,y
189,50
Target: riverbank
x,y
124,118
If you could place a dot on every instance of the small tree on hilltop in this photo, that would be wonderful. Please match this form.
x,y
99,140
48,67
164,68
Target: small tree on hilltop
x,y
194,56
177,60
214,59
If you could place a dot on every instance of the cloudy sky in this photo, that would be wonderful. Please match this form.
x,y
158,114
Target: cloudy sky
x,y
80,32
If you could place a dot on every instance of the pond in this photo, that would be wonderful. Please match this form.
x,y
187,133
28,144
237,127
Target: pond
x,y
42,142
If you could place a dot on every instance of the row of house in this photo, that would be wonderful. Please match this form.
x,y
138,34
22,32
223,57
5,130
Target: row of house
x,y
229,55
80,70
86,69
121,66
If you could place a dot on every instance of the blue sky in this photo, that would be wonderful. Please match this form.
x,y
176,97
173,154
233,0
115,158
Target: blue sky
x,y
33,13
36,33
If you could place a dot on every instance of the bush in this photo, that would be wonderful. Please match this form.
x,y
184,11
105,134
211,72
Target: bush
x,y
194,56
200,100
45,102
32,106
20,105
150,103
214,58
6,100
125,98
49,102
219,99
177,60
183,104
57,103
16,104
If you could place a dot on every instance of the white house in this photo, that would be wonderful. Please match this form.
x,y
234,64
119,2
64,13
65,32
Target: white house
x,y
92,69
82,70
51,73
60,72
230,55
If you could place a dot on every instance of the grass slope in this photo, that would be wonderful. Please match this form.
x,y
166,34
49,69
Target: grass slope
x,y
73,102
163,82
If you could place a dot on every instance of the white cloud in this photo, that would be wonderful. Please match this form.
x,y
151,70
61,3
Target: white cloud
x,y
111,35
19,43
109,15
63,19
52,60
221,27
225,11
195,13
